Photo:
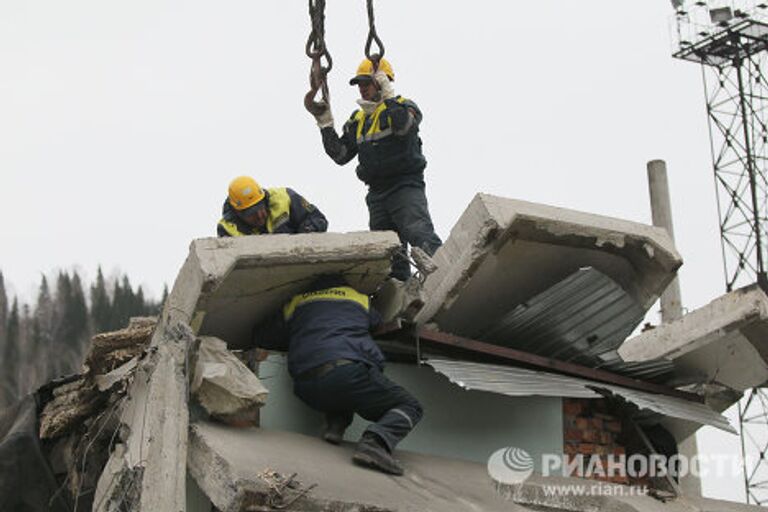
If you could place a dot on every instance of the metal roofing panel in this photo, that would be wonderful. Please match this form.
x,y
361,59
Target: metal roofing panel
x,y
513,381
510,381
673,407
580,318
653,370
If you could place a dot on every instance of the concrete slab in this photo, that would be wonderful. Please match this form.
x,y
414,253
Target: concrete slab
x,y
724,342
231,466
579,495
227,285
226,464
504,251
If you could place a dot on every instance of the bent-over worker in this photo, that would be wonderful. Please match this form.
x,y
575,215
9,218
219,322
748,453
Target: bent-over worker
x,y
337,368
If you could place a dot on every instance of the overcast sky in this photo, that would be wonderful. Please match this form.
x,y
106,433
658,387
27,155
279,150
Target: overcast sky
x,y
121,123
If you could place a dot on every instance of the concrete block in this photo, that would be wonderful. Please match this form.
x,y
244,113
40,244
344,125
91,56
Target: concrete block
x,y
504,251
223,385
725,342
227,285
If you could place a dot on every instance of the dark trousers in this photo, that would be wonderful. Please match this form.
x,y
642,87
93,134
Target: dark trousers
x,y
403,208
360,389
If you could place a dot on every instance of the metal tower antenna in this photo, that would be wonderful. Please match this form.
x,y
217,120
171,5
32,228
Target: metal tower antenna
x,y
729,39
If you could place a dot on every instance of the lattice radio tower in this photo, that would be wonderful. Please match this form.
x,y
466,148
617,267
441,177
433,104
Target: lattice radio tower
x,y
729,39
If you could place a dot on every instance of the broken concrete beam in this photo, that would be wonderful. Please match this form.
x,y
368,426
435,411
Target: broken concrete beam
x,y
223,385
227,285
725,341
503,251
148,471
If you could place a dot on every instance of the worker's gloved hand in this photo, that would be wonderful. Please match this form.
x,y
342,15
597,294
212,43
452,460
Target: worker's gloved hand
x,y
385,85
325,118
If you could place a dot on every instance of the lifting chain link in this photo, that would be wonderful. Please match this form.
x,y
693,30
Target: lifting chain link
x,y
373,36
316,50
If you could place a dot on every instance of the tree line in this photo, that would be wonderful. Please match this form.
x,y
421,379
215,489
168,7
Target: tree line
x,y
49,339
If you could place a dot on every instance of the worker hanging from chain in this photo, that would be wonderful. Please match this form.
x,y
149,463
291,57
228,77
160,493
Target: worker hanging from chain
x,y
384,134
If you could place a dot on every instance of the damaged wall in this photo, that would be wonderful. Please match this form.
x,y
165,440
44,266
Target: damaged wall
x,y
468,425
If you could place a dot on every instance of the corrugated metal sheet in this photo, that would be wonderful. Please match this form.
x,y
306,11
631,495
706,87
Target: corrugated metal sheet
x,y
583,319
673,407
517,382
578,319
654,371
512,381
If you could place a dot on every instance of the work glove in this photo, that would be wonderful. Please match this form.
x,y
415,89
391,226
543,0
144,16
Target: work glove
x,y
386,88
325,118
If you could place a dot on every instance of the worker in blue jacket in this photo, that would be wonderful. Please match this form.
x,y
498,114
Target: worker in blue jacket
x,y
337,368
384,135
252,210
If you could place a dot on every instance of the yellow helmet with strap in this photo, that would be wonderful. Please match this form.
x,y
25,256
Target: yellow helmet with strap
x,y
366,70
244,192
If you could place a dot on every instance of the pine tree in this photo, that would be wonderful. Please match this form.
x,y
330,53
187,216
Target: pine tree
x,y
3,311
40,351
79,309
71,323
9,363
101,308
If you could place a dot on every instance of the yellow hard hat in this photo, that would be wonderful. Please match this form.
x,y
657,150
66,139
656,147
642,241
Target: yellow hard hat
x,y
365,70
244,192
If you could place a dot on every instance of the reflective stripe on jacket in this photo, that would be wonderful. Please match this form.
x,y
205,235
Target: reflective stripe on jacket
x,y
386,142
329,324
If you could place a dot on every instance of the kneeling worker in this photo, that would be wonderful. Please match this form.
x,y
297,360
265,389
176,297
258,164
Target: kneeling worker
x,y
337,369
252,210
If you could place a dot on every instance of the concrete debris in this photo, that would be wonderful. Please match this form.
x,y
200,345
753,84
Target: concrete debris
x,y
399,300
223,385
120,374
72,404
724,342
84,397
113,349
152,464
503,251
80,416
424,262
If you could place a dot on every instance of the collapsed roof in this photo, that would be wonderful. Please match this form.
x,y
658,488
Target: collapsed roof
x,y
510,272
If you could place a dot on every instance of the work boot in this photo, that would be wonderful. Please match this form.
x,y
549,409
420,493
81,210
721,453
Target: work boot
x,y
371,453
335,426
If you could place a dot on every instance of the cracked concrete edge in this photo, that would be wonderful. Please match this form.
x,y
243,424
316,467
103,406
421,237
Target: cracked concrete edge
x,y
154,430
217,256
489,220
605,230
596,230
213,474
725,314
211,260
